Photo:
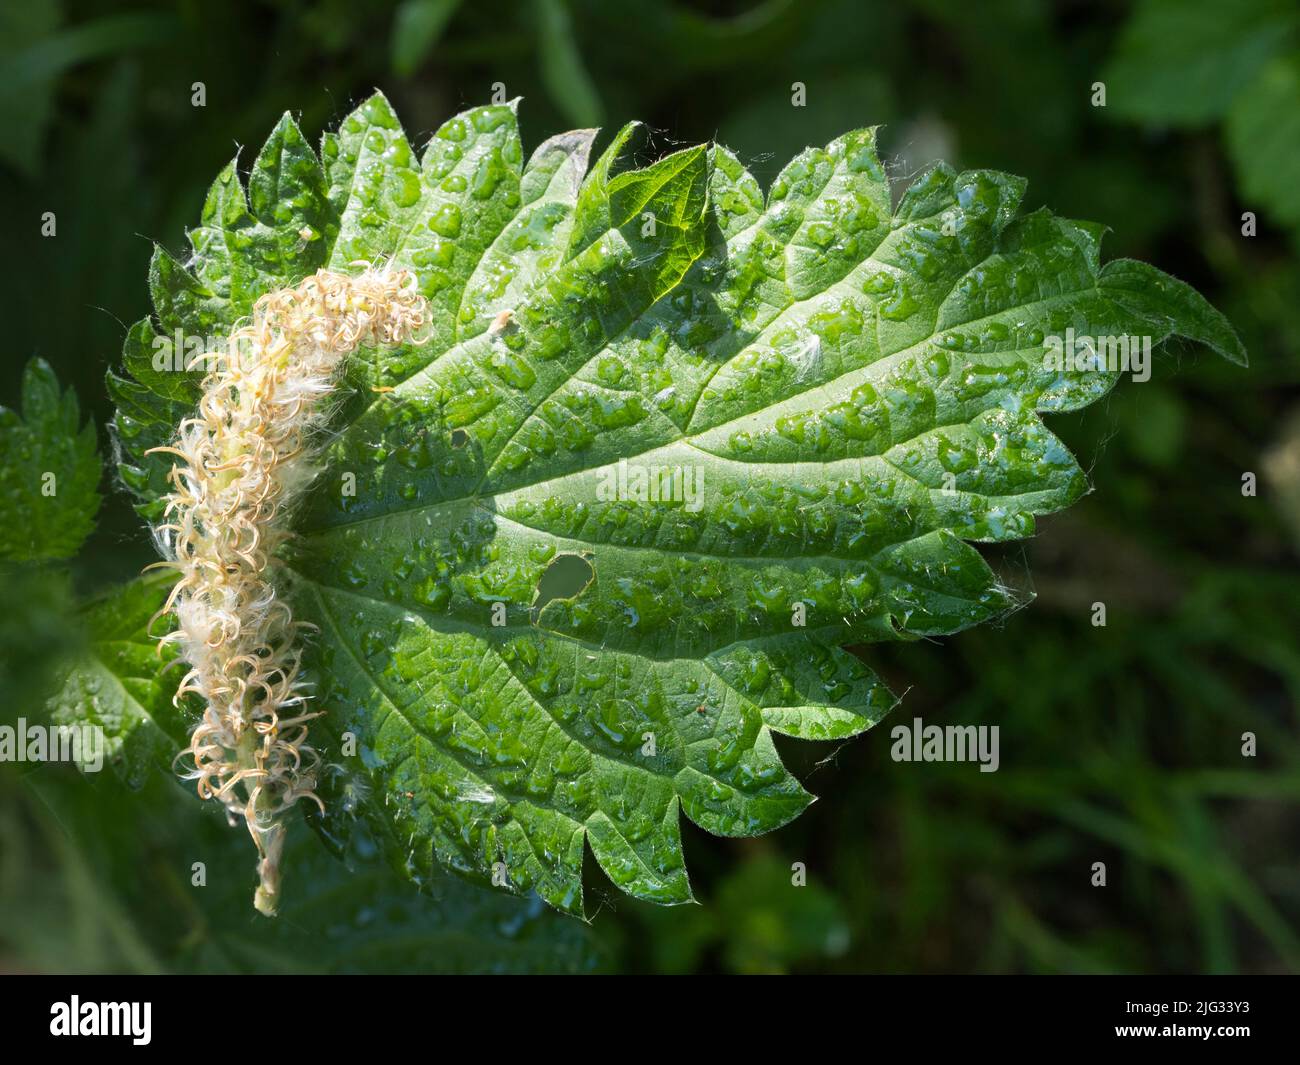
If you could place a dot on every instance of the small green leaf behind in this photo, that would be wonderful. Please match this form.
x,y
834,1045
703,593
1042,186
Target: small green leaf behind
x,y
122,682
49,472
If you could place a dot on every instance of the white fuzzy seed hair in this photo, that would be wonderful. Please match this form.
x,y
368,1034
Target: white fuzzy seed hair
x,y
246,459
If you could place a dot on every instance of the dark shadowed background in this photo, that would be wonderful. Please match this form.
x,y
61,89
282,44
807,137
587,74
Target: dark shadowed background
x,y
1120,744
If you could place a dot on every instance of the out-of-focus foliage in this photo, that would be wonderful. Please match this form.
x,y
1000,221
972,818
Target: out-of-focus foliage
x,y
1119,744
99,878
1196,62
758,921
120,868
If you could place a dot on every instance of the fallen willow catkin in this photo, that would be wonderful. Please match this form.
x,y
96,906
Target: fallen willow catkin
x,y
244,460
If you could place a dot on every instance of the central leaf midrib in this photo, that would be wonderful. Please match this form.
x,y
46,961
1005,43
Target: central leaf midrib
x,y
727,245
885,362
448,624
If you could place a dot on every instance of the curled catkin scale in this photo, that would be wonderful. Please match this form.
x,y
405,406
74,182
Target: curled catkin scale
x,y
244,460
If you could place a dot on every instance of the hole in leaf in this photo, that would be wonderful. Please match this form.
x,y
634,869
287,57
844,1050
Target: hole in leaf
x,y
567,577
459,438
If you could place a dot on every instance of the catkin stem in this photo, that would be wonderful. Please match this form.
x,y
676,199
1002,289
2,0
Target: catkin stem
x,y
244,459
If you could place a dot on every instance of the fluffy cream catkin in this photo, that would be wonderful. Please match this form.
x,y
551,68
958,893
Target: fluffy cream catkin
x,y
243,461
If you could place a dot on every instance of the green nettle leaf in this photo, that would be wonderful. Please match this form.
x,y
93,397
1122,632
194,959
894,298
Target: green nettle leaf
x,y
670,445
49,472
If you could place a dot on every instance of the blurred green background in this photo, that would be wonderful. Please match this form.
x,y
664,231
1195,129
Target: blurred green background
x,y
1119,744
